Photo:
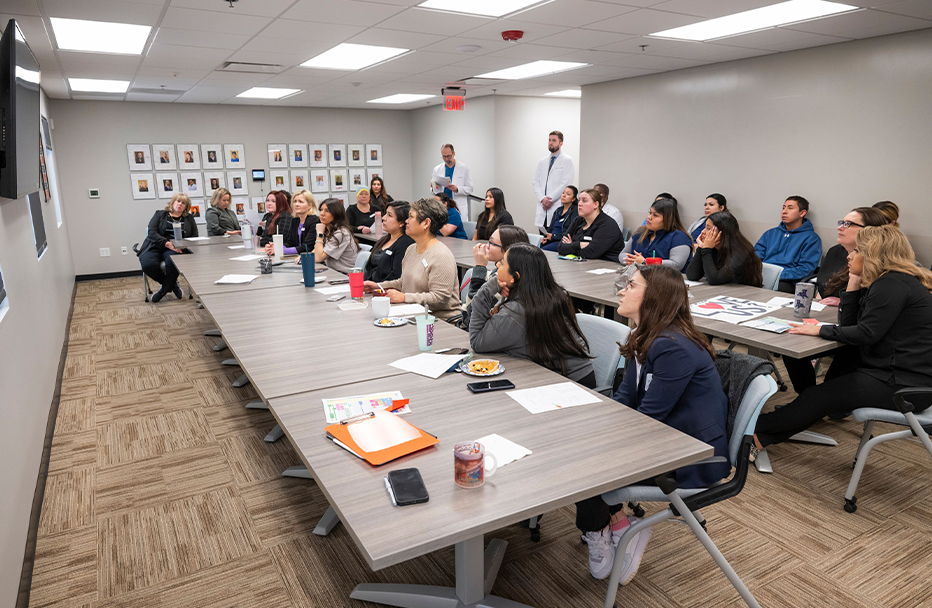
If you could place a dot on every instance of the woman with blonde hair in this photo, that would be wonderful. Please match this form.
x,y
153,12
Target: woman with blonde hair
x,y
886,312
301,231
158,247
220,218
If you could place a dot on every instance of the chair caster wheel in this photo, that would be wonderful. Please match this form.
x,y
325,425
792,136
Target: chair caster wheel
x,y
636,509
850,504
782,388
535,535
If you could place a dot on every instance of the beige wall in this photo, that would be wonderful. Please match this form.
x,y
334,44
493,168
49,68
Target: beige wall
x,y
31,336
844,125
92,136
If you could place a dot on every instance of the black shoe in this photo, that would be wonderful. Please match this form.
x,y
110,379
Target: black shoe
x,y
158,295
177,291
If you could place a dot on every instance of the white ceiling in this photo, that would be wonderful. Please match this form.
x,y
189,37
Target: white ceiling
x,y
191,38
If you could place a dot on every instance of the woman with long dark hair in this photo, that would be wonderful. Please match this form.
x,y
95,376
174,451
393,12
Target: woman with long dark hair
x,y
661,236
670,376
562,218
535,320
713,204
335,246
592,235
385,259
483,253
380,198
724,255
493,216
277,218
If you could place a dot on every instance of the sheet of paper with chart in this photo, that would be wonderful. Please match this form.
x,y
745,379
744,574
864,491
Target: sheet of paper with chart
x,y
342,408
731,310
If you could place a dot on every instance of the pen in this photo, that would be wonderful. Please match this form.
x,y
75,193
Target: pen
x,y
391,494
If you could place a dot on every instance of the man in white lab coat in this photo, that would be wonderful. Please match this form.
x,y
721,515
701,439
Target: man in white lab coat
x,y
555,172
458,174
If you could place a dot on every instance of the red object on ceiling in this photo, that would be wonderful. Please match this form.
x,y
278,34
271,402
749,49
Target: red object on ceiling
x,y
512,35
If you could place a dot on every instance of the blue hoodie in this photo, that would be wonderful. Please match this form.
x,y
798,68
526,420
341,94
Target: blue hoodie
x,y
798,251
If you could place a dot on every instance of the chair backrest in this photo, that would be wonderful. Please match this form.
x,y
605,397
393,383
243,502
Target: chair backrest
x,y
361,258
602,335
771,274
464,286
470,228
756,395
364,247
626,235
535,239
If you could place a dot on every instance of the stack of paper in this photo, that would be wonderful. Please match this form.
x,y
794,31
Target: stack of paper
x,y
329,291
505,451
553,397
236,247
236,279
428,364
406,310
342,408
248,257
601,271
198,238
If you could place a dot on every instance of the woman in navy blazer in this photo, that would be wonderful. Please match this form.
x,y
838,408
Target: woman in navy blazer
x,y
670,376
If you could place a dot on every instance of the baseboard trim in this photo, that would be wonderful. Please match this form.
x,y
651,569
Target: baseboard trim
x,y
107,275
29,559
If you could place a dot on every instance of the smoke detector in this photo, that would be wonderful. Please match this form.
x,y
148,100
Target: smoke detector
x,y
512,35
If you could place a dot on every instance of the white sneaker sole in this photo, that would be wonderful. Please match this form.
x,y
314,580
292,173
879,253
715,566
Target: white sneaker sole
x,y
630,569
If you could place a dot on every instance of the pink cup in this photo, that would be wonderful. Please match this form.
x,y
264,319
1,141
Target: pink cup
x,y
356,283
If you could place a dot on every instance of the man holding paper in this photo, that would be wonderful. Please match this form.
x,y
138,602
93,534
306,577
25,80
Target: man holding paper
x,y
451,178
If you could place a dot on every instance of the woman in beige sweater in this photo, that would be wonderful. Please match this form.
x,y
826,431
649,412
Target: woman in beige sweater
x,y
428,270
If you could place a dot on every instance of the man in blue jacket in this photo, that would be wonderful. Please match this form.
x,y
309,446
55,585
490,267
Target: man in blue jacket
x,y
793,244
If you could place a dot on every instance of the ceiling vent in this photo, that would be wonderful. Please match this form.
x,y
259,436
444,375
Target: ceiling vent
x,y
250,68
171,92
482,82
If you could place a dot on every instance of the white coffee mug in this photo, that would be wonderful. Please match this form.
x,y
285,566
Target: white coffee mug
x,y
381,306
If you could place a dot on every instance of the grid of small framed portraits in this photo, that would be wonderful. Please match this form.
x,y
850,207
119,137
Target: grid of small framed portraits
x,y
327,170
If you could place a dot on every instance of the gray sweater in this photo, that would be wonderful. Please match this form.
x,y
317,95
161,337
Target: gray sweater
x,y
505,332
219,221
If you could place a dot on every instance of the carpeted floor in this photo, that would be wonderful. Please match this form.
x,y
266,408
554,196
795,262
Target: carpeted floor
x,y
162,493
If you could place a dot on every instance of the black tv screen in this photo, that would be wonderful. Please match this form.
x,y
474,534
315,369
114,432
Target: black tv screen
x,y
19,115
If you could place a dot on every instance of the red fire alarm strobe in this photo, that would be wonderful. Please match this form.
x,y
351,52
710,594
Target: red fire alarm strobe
x,y
512,35
454,99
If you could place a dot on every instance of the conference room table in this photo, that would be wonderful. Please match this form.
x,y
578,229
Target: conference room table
x,y
205,265
210,240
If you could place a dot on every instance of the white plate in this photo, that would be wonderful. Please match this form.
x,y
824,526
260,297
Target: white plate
x,y
395,322
498,370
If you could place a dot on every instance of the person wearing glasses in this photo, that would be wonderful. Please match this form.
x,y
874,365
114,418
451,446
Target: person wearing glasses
x,y
793,244
483,253
451,177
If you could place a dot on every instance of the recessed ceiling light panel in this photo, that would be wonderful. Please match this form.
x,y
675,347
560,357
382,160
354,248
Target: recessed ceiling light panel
x,y
400,98
347,56
100,36
484,8
94,85
533,70
267,93
574,93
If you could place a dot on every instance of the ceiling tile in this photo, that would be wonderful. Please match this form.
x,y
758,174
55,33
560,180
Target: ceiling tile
x,y
652,62
213,40
207,94
634,44
450,44
161,55
55,87
152,97
231,78
209,21
280,58
638,3
911,8
396,38
712,8
810,41
114,12
20,7
583,39
862,24
262,8
530,52
777,39
157,76
345,12
419,61
434,22
76,61
644,21
593,57
574,14
704,51
532,31
309,34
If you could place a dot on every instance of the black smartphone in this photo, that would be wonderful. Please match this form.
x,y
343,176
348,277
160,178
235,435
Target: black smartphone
x,y
407,487
492,385
338,281
453,351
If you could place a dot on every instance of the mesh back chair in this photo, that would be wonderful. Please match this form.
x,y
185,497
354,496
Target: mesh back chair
x,y
361,258
470,228
146,290
685,504
535,239
908,402
771,274
464,286
365,247
603,336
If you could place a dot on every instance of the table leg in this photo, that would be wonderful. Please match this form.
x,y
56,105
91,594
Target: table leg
x,y
258,404
762,462
475,575
810,437
275,434
242,381
219,347
230,362
327,523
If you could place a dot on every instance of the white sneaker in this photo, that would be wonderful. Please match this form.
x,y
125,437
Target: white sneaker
x,y
601,552
633,554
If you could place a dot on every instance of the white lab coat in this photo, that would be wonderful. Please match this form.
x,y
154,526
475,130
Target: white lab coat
x,y
561,175
615,213
461,179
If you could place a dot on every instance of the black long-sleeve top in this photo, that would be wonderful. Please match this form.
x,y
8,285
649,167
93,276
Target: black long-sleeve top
x,y
308,235
357,218
282,226
704,265
385,264
891,324
835,259
160,230
603,236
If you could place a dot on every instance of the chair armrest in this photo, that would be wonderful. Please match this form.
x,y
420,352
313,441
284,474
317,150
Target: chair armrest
x,y
912,399
604,390
710,460
136,248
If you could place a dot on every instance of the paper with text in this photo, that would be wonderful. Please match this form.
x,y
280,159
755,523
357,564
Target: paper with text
x,y
553,397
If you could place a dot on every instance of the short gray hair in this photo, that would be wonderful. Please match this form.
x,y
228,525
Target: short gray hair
x,y
430,209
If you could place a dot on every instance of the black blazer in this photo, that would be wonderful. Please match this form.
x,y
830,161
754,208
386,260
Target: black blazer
x,y
385,264
484,230
282,226
308,235
154,238
603,236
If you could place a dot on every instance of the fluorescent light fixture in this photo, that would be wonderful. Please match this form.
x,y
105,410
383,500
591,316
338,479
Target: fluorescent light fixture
x,y
99,36
575,93
28,75
348,56
267,93
757,19
485,8
94,85
401,98
533,70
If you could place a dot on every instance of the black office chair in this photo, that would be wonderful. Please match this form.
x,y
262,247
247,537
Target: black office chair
x,y
146,290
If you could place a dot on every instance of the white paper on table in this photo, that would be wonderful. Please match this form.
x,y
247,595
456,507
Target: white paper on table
x,y
381,432
248,257
691,283
817,307
428,364
236,279
601,271
730,310
505,451
198,238
329,291
236,246
352,305
342,408
405,310
780,301
553,397
317,278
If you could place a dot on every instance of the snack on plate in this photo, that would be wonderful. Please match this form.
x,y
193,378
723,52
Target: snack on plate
x,y
483,366
386,321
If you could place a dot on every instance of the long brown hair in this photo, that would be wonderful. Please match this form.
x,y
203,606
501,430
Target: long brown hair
x,y
665,307
885,249
736,250
869,217
667,209
335,208
281,206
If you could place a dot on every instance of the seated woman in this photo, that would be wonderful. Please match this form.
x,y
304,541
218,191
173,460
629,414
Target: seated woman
x,y
493,216
483,253
724,255
277,219
671,377
299,237
454,225
593,235
562,218
385,259
886,312
713,204
361,216
890,210
220,218
534,321
661,236
335,245
379,197
428,269
158,246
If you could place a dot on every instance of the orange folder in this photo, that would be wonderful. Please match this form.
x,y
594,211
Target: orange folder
x,y
381,437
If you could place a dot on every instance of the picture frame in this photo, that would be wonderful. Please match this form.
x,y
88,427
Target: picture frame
x,y
238,185
211,156
338,180
239,204
356,155
279,180
213,180
139,157
167,184
370,173
297,155
47,133
317,155
192,184
163,157
197,211
320,181
278,156
299,181
43,172
260,207
373,155
357,179
337,155
143,185
189,157
342,196
234,156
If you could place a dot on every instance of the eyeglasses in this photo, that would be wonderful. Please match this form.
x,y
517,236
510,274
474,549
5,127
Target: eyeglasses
x,y
494,244
848,224
630,283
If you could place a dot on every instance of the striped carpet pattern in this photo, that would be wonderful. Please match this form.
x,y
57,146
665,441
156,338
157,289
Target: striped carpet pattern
x,y
162,493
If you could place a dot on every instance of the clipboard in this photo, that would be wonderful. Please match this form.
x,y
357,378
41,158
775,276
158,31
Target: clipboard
x,y
380,437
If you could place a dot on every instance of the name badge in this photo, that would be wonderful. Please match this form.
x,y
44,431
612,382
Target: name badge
x,y
424,262
647,379
372,215
388,252
587,238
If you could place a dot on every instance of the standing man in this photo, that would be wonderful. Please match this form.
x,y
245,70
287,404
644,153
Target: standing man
x,y
554,173
460,181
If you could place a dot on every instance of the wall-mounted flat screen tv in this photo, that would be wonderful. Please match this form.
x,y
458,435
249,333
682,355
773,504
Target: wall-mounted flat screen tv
x,y
19,115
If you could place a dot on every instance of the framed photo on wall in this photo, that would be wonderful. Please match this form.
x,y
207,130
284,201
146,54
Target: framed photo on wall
x,y
298,180
164,155
373,155
278,156
337,155
338,179
297,155
317,155
357,179
197,206
46,134
212,156
237,184
143,186
189,157
343,196
239,205
356,155
167,184
320,182
374,173
278,180
212,181
192,185
139,157
235,155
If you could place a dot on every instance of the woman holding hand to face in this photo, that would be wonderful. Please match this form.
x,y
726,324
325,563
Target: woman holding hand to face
x,y
723,255
483,253
713,204
562,219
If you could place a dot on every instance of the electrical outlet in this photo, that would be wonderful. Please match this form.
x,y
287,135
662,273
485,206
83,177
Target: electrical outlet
x,y
105,252
123,250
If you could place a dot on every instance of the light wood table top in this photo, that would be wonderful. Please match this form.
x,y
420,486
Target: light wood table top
x,y
207,264
211,240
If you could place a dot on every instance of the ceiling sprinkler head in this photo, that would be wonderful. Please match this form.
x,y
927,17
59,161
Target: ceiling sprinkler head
x,y
644,46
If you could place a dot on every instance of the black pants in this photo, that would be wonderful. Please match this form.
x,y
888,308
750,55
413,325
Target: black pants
x,y
803,376
837,396
593,514
151,265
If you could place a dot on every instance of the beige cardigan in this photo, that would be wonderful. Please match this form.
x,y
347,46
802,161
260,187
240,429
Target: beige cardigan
x,y
429,279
